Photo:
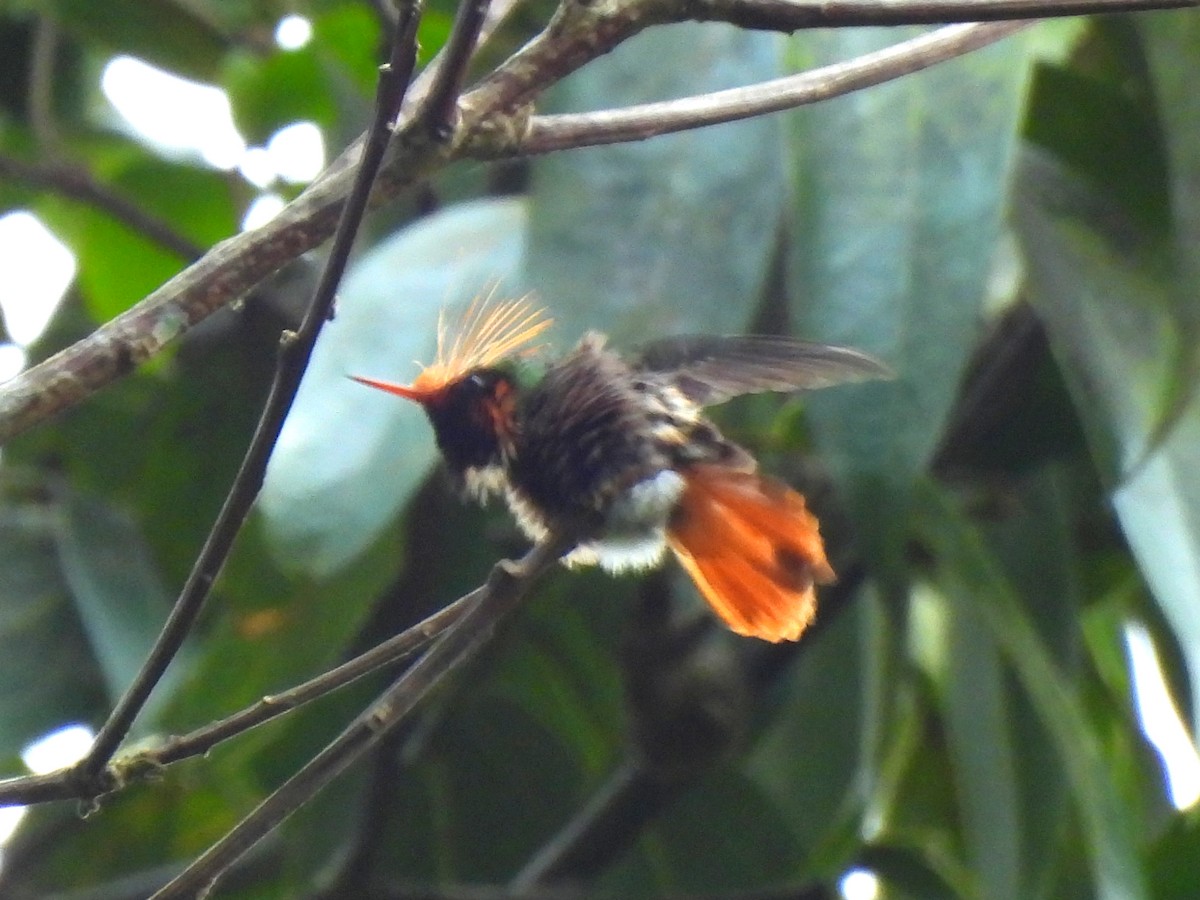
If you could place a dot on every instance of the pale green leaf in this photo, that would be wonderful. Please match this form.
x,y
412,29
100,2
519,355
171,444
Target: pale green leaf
x,y
667,235
349,457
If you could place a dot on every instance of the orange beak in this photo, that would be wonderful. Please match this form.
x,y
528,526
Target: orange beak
x,y
408,392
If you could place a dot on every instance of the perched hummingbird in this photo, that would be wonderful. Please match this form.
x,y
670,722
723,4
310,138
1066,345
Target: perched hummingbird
x,y
619,453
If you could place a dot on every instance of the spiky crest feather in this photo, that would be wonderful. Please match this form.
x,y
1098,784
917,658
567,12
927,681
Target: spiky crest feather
x,y
488,332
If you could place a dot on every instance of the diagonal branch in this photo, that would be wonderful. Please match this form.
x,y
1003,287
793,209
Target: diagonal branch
x,y
123,768
506,586
295,352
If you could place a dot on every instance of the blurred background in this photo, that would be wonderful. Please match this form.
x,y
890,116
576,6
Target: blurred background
x,y
997,700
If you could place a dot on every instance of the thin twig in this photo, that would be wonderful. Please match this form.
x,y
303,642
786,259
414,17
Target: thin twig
x,y
122,769
293,360
43,61
634,123
441,106
77,184
390,651
505,587
792,15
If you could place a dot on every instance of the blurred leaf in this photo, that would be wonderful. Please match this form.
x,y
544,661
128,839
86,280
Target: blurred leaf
x,y
349,457
979,727
488,760
1101,289
810,756
1116,327
118,265
1103,133
166,822
667,235
726,834
1172,860
559,668
1172,48
164,32
267,93
970,574
164,444
350,34
1032,536
922,811
907,873
1159,509
49,674
902,190
117,590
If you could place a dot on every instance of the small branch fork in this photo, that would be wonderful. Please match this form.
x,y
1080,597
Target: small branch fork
x,y
504,589
124,769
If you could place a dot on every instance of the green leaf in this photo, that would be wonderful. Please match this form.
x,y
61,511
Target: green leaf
x,y
1172,48
491,760
57,850
350,34
727,834
811,757
119,265
907,872
971,575
116,588
349,457
164,32
901,194
559,666
46,665
1172,863
272,631
267,93
164,443
1033,538
979,727
667,235
1116,327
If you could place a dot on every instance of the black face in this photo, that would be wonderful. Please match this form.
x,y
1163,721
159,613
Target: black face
x,y
467,417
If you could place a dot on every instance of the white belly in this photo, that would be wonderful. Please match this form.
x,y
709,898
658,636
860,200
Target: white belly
x,y
634,531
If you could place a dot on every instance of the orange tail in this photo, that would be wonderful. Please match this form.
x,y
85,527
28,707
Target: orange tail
x,y
753,549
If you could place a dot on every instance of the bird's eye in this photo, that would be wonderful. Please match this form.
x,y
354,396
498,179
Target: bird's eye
x,y
477,381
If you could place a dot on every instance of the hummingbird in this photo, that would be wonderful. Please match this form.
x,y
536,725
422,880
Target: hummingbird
x,y
618,453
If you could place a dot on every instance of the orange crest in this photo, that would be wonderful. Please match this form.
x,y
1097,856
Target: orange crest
x,y
487,333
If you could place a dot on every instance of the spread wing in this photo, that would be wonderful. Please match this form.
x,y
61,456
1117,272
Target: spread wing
x,y
711,370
